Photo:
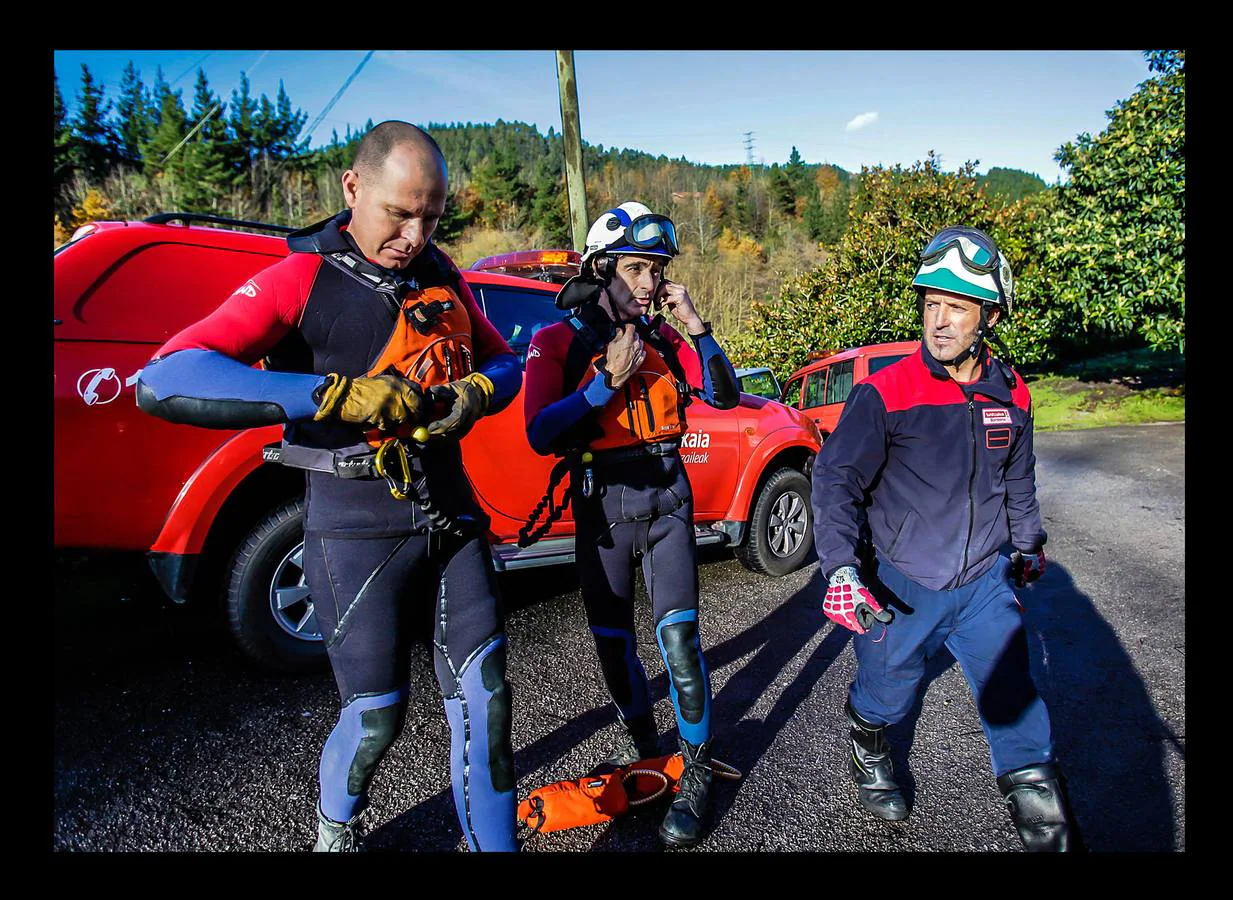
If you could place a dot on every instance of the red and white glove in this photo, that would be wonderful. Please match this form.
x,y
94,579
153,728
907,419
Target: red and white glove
x,y
1026,567
850,604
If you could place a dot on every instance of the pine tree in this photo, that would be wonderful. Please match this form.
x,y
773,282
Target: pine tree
x,y
798,174
62,149
202,167
288,125
167,133
783,195
498,180
240,125
94,147
550,208
133,120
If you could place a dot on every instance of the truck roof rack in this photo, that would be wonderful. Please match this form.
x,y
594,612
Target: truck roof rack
x,y
163,218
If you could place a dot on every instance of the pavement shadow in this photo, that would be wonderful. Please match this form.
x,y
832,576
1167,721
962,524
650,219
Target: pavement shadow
x,y
774,642
1107,735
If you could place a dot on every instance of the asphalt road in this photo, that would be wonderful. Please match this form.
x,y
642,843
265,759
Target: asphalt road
x,y
166,740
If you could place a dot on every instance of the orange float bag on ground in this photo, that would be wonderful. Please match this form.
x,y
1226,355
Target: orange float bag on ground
x,y
570,804
601,798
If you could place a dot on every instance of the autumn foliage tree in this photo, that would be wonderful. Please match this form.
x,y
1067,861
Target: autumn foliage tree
x,y
863,293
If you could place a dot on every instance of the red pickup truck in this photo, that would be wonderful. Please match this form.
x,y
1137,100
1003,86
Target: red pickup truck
x,y
209,512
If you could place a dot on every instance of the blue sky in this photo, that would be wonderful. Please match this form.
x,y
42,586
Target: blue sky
x,y
851,108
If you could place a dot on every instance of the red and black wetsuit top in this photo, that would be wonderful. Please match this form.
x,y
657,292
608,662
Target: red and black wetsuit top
x,y
305,314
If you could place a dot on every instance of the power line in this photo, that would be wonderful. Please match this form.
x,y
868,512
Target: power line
x,y
190,68
213,109
350,78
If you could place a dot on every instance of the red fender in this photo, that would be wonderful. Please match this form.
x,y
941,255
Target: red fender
x,y
775,443
192,515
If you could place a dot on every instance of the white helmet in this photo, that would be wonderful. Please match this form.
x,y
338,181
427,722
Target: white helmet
x,y
967,261
631,228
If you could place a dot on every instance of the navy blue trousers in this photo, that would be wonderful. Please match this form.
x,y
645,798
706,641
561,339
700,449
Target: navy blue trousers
x,y
982,625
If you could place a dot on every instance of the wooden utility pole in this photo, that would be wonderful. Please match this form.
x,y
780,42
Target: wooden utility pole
x,y
571,134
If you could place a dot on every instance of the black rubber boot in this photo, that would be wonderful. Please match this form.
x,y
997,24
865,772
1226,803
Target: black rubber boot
x,y
682,827
1036,797
337,837
872,770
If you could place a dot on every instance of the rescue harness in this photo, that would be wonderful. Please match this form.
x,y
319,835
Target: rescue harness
x,y
429,343
619,433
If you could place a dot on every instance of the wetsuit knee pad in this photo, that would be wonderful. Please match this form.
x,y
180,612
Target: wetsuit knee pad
x,y
367,727
623,671
481,751
689,681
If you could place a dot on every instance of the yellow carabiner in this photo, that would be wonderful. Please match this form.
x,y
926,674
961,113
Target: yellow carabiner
x,y
399,488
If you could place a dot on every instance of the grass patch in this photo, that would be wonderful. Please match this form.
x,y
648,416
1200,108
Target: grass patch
x,y
1130,388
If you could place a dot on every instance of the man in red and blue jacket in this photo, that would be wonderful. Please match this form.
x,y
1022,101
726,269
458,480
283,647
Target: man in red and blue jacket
x,y
929,472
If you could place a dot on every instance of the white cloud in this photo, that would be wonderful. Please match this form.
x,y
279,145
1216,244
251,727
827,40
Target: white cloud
x,y
861,121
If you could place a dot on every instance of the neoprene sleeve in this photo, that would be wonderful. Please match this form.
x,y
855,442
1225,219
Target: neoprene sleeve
x,y
210,389
505,373
711,354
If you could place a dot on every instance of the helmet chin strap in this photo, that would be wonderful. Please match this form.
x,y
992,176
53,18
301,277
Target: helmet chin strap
x,y
982,332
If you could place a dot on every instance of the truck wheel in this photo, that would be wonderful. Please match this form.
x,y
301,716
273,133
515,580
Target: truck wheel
x,y
781,526
268,605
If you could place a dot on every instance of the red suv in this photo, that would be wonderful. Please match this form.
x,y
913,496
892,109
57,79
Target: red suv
x,y
201,502
821,387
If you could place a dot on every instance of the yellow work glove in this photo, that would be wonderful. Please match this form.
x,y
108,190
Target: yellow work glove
x,y
470,397
384,402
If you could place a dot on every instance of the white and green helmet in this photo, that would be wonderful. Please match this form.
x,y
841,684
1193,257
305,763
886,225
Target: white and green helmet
x,y
966,261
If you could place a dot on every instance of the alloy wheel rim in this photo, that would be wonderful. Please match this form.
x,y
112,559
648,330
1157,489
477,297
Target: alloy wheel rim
x,y
789,521
290,602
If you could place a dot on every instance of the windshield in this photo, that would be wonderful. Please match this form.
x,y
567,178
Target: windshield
x,y
518,314
761,384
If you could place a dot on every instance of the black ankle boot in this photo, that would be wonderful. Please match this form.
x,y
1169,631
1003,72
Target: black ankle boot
x,y
1036,797
640,741
682,826
872,770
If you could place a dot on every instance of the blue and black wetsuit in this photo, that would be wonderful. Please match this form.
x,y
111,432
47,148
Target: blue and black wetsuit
x,y
373,563
633,504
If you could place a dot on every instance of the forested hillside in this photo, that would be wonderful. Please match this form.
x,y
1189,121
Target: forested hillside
x,y
783,258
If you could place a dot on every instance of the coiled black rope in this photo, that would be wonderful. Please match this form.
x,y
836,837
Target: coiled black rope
x,y
530,533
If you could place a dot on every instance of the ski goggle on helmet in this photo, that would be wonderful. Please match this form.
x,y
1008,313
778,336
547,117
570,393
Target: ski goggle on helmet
x,y
631,228
966,261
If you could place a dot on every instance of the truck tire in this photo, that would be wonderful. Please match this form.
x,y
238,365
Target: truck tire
x,y
269,608
780,526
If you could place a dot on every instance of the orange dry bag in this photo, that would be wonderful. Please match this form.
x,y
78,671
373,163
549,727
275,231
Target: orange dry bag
x,y
601,798
569,804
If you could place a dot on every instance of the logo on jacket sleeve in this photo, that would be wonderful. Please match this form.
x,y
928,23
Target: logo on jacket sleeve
x,y
248,288
995,416
533,353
